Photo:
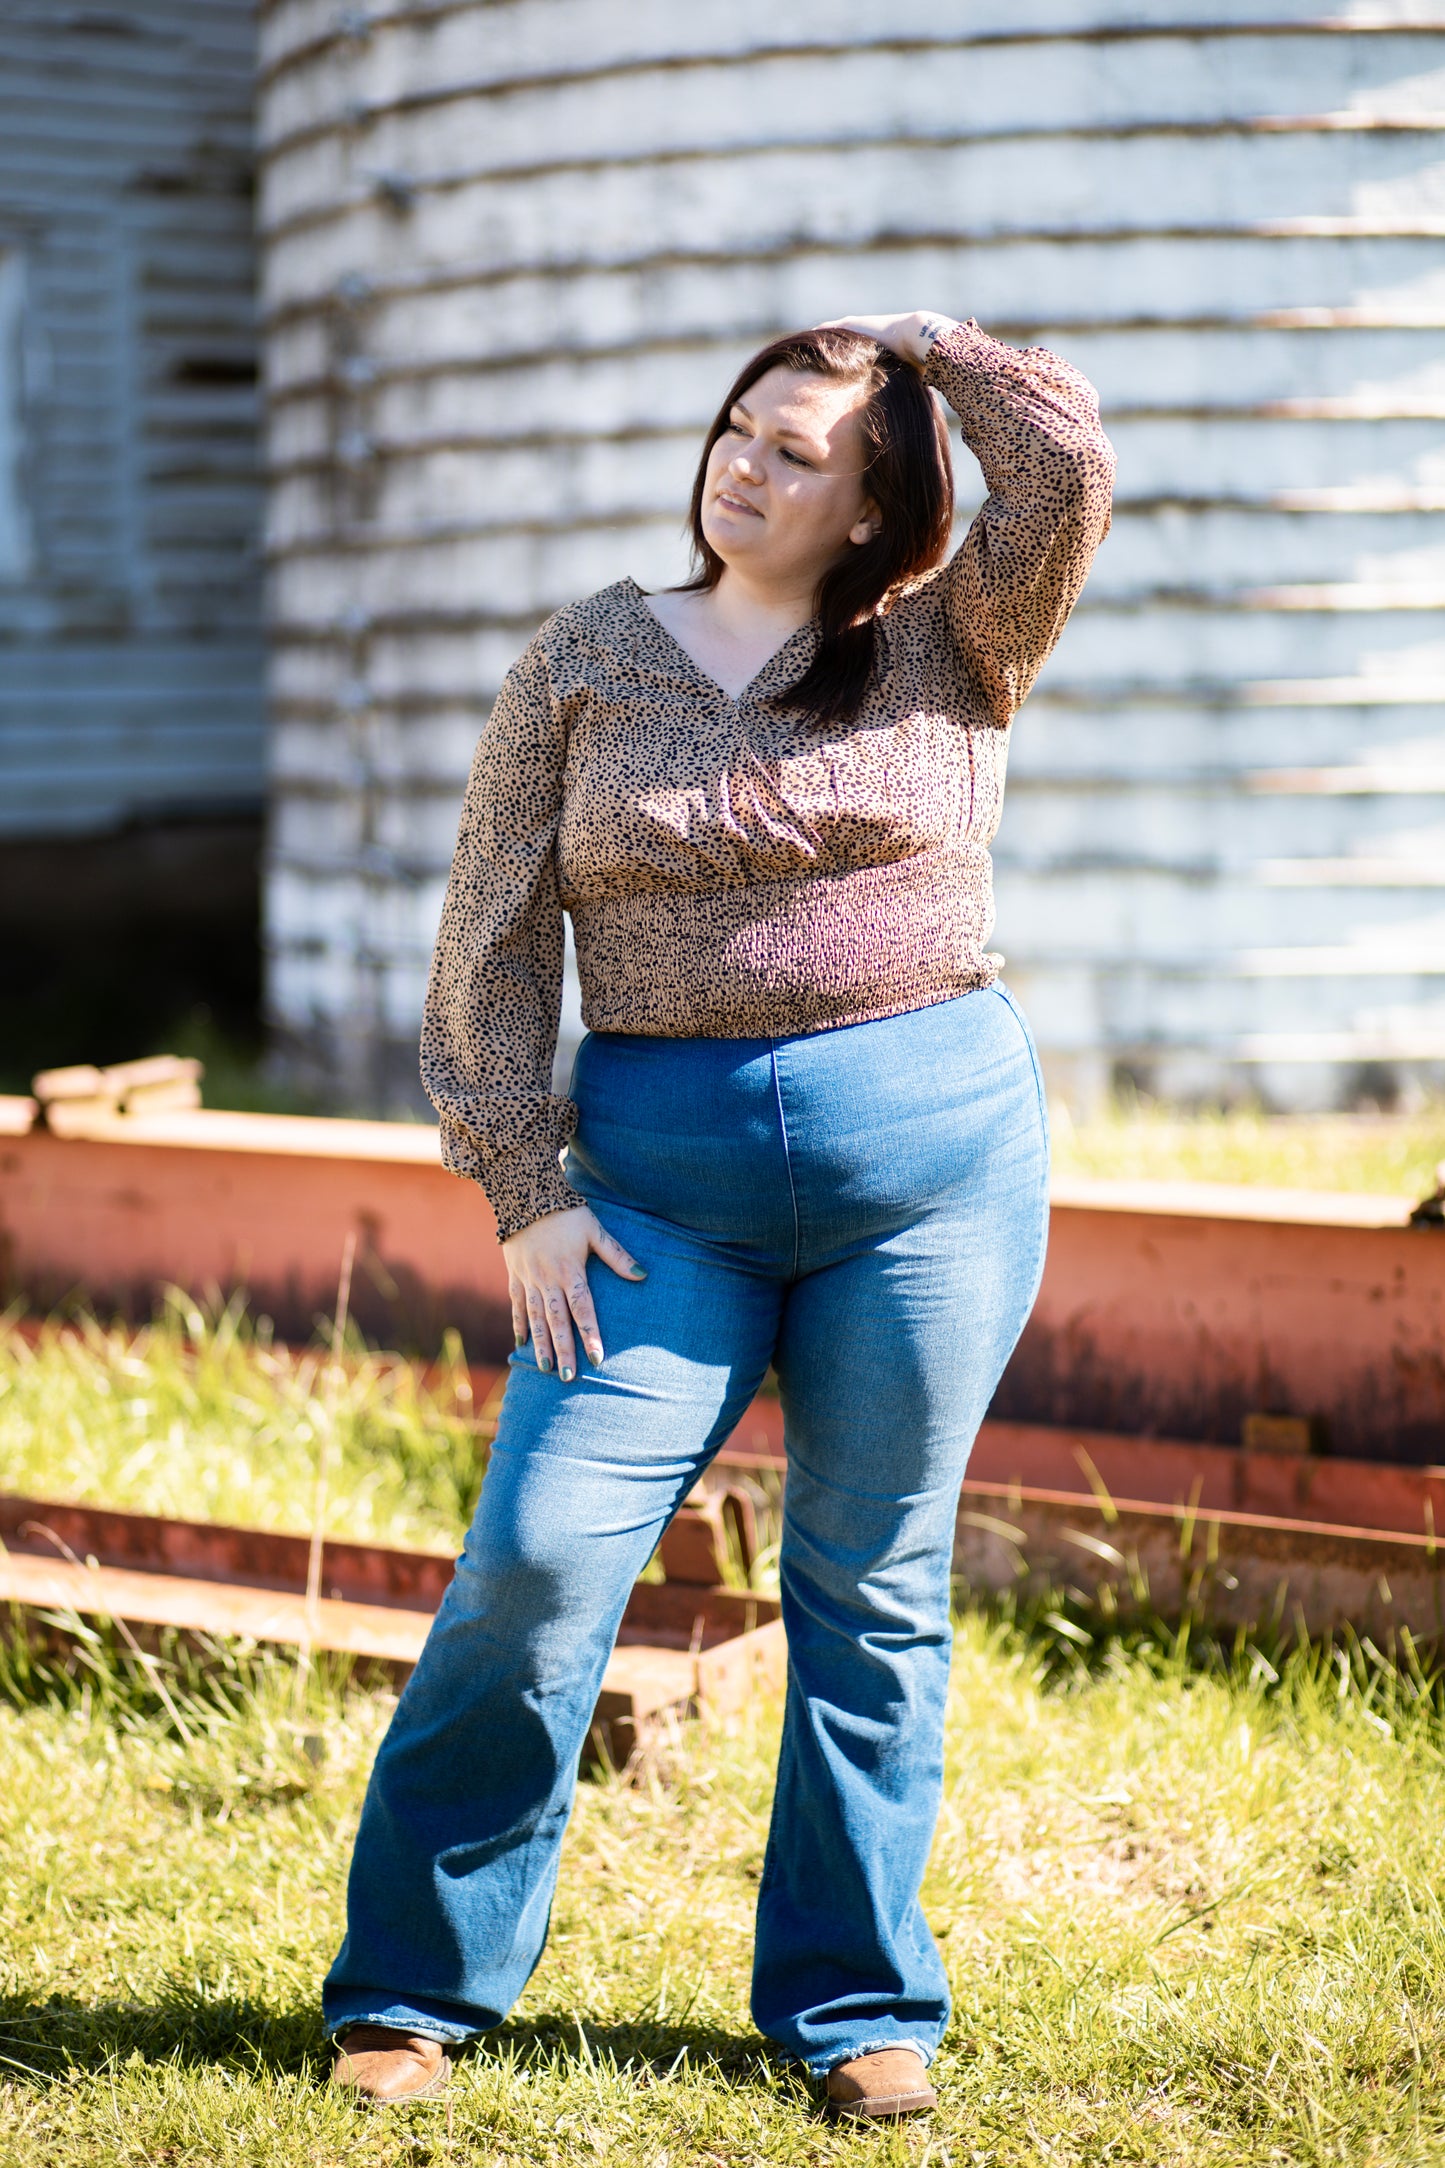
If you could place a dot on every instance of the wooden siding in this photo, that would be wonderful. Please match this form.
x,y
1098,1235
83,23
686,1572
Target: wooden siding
x,y
131,662
513,250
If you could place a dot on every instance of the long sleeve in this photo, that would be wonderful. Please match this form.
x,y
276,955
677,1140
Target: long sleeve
x,y
489,1031
1032,422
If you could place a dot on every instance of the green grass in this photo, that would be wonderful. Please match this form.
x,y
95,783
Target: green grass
x,y
1190,1918
201,1418
1392,1155
1191,1905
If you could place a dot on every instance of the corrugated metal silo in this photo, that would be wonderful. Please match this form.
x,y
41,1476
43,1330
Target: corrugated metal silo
x,y
514,249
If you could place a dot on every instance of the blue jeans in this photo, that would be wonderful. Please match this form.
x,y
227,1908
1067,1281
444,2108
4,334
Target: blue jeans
x,y
865,1209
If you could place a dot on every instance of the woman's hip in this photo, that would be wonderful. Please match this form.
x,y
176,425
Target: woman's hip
x,y
831,1137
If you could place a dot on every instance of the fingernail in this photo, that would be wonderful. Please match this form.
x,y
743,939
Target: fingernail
x,y
520,1338
594,1356
638,1273
565,1374
544,1362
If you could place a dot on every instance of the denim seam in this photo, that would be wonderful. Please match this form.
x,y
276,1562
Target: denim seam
x,y
787,1155
430,2028
1016,1012
1002,991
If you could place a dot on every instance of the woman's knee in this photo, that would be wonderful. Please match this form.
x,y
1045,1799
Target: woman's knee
x,y
531,1557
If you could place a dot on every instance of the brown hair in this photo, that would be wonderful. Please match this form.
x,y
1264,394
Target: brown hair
x,y
908,473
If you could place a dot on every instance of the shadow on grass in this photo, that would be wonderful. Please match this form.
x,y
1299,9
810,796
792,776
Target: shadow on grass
x,y
41,2041
559,2040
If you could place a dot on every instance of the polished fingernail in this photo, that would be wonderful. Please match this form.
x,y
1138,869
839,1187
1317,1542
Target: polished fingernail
x,y
638,1273
520,1338
543,1363
565,1374
594,1356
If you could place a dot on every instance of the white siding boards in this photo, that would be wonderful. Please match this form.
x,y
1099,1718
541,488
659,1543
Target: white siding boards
x,y
130,642
512,253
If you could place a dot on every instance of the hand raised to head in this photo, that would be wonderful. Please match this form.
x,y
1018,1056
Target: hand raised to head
x,y
910,337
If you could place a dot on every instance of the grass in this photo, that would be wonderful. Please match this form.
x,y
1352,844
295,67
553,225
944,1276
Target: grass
x,y
1391,1155
1191,1917
1190,1901
201,1417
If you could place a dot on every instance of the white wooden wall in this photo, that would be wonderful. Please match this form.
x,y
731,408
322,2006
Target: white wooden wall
x,y
131,672
514,250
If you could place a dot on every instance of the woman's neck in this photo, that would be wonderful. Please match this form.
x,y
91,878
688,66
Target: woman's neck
x,y
746,612
731,631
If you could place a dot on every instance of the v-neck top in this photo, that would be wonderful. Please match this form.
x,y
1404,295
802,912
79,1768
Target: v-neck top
x,y
730,869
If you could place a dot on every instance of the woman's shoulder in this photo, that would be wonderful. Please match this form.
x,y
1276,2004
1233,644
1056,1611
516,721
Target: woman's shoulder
x,y
914,611
590,623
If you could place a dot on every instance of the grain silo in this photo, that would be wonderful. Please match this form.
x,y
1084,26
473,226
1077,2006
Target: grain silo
x,y
512,251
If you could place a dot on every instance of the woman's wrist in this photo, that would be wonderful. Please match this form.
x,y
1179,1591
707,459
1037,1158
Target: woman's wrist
x,y
912,337
928,329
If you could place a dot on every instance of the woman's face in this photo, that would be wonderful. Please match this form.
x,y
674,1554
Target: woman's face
x,y
784,493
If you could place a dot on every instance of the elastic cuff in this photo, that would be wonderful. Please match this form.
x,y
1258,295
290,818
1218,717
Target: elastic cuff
x,y
526,1186
966,344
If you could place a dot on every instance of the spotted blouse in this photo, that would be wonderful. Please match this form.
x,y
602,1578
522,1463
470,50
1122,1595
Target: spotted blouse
x,y
730,870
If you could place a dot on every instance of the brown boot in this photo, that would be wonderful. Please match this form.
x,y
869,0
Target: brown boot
x,y
891,2082
385,2066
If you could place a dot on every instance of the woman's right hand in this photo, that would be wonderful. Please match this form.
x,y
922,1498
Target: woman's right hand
x,y
547,1278
910,337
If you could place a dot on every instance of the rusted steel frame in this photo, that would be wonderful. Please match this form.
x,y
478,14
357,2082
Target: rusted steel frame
x,y
1192,1552
1166,1310
1128,1557
1247,1571
1303,1489
645,1681
1308,1489
1298,1487
123,1216
211,1552
1366,1556
1174,1312
683,1647
693,1554
59,1585
1060,1457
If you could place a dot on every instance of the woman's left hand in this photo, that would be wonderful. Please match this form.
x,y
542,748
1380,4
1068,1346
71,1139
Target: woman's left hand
x,y
910,337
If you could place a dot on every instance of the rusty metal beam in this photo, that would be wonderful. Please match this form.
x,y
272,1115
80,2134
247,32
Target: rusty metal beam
x,y
1135,1557
1168,1310
1128,1556
1176,1309
685,1645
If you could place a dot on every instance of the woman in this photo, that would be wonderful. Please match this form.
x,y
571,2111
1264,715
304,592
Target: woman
x,y
806,1129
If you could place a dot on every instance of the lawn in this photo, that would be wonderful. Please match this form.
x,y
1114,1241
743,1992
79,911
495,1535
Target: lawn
x,y
1189,1897
201,1417
1394,1155
1190,1917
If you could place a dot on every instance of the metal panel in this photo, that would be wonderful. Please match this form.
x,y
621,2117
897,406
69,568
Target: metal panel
x,y
512,251
130,641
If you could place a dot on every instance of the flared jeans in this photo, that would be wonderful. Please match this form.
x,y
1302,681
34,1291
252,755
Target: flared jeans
x,y
864,1209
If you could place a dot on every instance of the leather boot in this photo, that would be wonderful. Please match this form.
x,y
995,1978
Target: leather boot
x,y
891,2082
383,2066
